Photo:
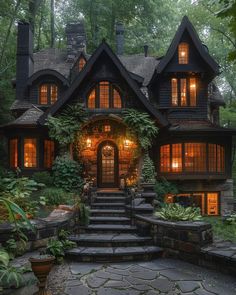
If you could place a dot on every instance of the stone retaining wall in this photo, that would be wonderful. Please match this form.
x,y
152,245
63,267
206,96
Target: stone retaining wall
x,y
177,238
45,228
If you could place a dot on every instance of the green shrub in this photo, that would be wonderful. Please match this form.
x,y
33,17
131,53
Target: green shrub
x,y
66,174
163,187
148,169
176,212
84,214
57,248
56,196
43,177
231,219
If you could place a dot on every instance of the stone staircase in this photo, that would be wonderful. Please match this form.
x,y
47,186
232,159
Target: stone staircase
x,y
110,236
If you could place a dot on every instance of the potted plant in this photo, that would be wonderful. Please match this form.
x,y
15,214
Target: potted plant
x,y
41,266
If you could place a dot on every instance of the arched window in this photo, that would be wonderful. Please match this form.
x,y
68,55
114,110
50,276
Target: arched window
x,y
48,93
104,95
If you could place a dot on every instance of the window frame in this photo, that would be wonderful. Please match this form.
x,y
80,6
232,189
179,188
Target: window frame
x,y
168,169
17,152
52,142
49,86
112,87
188,92
181,60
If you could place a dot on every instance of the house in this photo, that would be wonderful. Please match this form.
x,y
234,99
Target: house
x,y
176,90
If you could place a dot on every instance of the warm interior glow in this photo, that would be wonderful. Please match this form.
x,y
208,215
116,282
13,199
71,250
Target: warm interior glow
x,y
81,64
48,93
193,91
91,100
198,157
88,142
13,153
107,128
30,153
212,204
183,53
183,90
49,149
174,91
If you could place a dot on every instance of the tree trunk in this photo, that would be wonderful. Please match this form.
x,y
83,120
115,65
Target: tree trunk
x,y
33,8
52,43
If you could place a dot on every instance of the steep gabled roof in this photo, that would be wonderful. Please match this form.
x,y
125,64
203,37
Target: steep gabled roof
x,y
104,47
186,25
49,72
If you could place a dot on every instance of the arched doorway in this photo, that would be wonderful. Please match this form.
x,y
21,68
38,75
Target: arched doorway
x,y
107,170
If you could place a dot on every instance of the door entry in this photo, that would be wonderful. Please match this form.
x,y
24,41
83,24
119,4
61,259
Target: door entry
x,y
107,164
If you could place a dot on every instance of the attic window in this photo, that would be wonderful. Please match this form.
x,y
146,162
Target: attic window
x,y
104,95
81,63
183,53
48,93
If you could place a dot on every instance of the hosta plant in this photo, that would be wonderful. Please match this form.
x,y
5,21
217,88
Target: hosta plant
x,y
176,212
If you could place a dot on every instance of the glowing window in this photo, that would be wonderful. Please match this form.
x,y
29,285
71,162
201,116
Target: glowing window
x,y
183,92
192,91
49,148
91,100
183,53
104,95
174,90
176,160
195,157
165,158
81,63
30,153
48,94
212,204
13,153
220,159
107,128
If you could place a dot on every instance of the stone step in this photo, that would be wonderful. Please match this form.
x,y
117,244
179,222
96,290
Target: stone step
x,y
107,206
110,193
110,240
109,220
108,228
111,200
110,254
107,212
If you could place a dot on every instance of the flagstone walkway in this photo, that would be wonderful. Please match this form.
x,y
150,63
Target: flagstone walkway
x,y
161,276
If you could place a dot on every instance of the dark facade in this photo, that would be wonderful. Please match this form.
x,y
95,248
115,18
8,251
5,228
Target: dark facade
x,y
177,91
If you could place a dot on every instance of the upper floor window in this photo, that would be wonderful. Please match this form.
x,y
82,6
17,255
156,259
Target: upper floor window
x,y
104,95
192,157
183,53
13,146
81,63
48,93
30,152
183,92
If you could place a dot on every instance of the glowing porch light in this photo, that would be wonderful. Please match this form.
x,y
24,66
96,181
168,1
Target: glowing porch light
x,y
88,143
127,143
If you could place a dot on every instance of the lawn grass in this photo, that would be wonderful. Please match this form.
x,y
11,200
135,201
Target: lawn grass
x,y
221,230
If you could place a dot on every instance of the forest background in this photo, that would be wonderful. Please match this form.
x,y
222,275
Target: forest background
x,y
151,22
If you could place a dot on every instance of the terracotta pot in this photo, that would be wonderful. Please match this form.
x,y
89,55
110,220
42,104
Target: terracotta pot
x,y
41,266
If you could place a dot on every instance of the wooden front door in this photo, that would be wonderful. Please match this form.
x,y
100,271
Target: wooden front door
x,y
107,169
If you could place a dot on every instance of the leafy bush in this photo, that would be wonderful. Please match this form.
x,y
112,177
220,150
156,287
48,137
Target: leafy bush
x,y
148,169
163,187
9,276
231,219
55,196
43,177
57,248
66,174
84,214
175,212
142,125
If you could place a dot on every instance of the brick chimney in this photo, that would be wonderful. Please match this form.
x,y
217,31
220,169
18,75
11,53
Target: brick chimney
x,y
119,39
76,40
24,58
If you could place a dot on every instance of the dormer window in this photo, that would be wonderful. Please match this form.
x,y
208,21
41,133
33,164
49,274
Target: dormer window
x,y
48,93
183,53
104,95
183,92
81,63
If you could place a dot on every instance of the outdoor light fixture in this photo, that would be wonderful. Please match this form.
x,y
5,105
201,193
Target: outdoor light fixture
x,y
88,142
127,143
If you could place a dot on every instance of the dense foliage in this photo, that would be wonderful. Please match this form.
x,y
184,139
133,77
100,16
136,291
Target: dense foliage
x,y
67,125
176,212
148,170
142,125
67,174
163,187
